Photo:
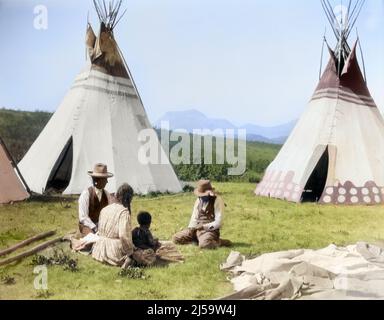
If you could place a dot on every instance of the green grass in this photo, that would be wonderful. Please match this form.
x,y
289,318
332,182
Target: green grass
x,y
255,225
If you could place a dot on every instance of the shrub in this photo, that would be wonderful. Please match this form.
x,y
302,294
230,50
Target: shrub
x,y
58,259
132,273
8,280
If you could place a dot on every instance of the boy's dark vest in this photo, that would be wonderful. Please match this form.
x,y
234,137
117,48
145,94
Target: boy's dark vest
x,y
206,215
95,206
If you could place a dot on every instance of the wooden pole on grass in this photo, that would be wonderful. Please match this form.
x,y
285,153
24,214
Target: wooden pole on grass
x,y
30,252
27,242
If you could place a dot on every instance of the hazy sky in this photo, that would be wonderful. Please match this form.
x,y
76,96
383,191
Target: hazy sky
x,y
244,60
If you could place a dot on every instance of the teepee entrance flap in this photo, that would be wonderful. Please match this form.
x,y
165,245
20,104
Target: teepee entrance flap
x,y
316,182
61,173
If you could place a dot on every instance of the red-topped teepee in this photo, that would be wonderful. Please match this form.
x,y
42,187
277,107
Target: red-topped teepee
x,y
335,154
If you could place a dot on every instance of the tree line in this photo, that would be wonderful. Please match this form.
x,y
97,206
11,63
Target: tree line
x,y
19,129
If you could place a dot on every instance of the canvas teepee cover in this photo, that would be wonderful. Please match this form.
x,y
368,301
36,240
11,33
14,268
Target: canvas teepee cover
x,y
11,187
98,122
335,154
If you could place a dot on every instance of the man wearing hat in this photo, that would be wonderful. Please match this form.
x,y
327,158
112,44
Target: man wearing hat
x,y
94,199
206,220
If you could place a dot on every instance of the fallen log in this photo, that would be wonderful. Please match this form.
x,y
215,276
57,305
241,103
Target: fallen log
x,y
30,252
27,242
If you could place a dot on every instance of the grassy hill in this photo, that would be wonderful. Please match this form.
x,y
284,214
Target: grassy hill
x,y
19,129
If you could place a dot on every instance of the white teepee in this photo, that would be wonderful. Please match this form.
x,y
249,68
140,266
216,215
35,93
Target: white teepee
x,y
335,154
97,122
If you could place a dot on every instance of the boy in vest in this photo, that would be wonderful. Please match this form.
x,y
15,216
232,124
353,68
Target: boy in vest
x,y
206,220
93,200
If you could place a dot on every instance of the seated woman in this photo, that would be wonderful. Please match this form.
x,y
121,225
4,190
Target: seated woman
x,y
114,245
113,241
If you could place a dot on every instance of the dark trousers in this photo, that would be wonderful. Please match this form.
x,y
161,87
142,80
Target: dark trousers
x,y
205,239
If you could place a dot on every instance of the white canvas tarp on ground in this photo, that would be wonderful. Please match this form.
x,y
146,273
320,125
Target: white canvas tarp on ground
x,y
354,272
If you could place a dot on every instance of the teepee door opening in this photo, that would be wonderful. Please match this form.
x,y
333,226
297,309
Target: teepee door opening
x,y
61,173
316,182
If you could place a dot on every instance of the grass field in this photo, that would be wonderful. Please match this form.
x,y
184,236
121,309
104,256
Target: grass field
x,y
255,225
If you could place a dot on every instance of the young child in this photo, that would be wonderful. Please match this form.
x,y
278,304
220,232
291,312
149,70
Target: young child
x,y
141,236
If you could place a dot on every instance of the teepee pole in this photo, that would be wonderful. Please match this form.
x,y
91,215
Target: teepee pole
x,y
118,6
322,56
97,10
329,17
332,16
362,2
362,57
105,9
122,15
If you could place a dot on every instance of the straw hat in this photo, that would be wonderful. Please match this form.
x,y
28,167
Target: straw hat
x,y
100,171
204,188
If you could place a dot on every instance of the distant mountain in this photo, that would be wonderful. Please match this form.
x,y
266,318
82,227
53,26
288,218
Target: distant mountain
x,y
258,138
276,132
193,119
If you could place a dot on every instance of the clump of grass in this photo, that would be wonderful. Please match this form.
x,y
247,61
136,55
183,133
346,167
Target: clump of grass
x,y
39,260
153,194
188,188
133,273
153,294
8,280
44,294
251,216
71,266
57,259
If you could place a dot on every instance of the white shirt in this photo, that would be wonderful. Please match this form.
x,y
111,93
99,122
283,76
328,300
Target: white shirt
x,y
219,212
84,207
